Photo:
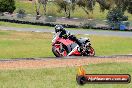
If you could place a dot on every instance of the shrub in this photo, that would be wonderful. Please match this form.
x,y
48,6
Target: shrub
x,y
115,18
88,24
7,6
21,13
50,19
51,12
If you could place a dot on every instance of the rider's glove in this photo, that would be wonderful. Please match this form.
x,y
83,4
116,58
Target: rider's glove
x,y
64,36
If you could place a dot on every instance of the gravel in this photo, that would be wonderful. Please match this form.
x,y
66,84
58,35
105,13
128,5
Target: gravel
x,y
35,63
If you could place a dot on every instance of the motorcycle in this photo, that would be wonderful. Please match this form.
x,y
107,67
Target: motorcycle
x,y
65,47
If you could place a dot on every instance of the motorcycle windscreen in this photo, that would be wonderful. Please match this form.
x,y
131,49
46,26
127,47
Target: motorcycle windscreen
x,y
65,41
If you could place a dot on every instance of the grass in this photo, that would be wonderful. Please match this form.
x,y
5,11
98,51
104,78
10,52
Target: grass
x,y
24,44
61,77
52,9
106,45
30,44
8,24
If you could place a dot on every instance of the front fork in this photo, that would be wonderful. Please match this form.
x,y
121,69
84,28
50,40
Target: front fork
x,y
87,45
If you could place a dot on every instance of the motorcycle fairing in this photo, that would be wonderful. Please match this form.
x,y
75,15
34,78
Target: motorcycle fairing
x,y
71,46
74,51
65,41
83,41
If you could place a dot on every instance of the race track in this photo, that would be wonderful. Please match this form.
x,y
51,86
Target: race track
x,y
84,32
35,63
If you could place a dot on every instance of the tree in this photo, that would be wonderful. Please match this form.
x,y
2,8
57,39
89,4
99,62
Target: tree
x,y
115,17
66,5
104,5
86,5
7,6
37,4
129,9
37,8
123,5
44,3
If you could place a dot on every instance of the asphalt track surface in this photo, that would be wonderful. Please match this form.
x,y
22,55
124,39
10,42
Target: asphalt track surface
x,y
83,31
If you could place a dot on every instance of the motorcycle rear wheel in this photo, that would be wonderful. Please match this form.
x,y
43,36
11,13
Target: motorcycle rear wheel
x,y
92,51
89,52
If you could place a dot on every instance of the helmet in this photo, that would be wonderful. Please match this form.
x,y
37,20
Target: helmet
x,y
59,28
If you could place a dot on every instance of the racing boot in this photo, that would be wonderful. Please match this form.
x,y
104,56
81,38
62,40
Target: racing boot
x,y
81,48
74,38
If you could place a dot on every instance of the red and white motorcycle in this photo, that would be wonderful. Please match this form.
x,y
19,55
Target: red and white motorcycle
x,y
65,47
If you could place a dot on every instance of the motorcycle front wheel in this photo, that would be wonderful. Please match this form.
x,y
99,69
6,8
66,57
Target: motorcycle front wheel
x,y
59,53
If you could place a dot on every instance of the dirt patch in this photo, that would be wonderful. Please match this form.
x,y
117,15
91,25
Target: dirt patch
x,y
53,63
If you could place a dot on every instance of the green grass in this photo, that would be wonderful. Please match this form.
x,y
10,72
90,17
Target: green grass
x,y
52,9
24,44
61,77
30,44
8,24
106,45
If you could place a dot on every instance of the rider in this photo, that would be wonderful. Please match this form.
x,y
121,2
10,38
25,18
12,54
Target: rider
x,y
66,34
